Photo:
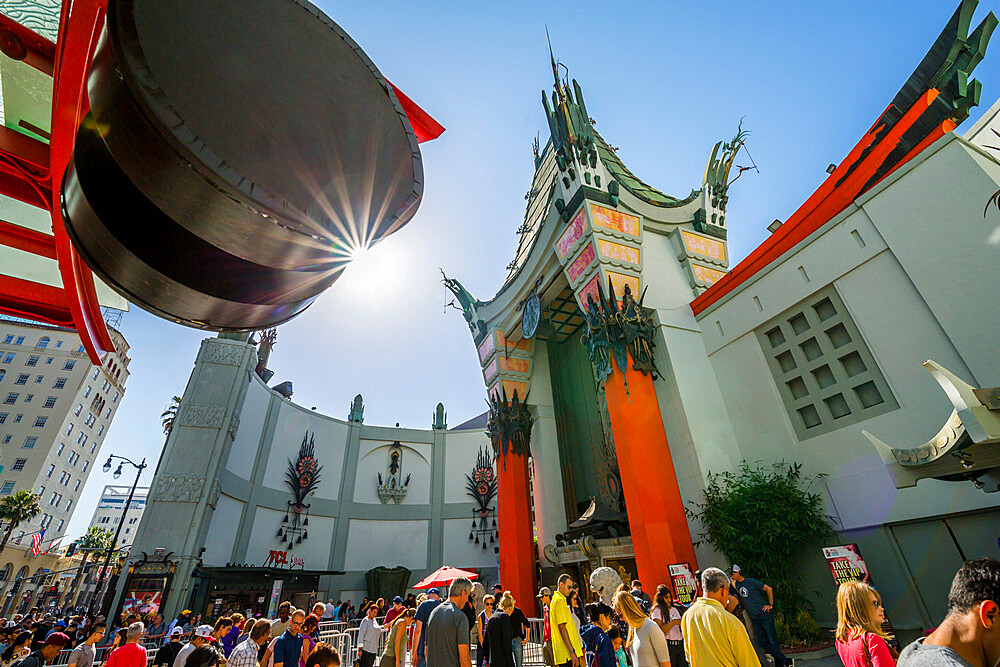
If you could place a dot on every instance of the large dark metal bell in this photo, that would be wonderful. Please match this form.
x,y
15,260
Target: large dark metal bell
x,y
237,152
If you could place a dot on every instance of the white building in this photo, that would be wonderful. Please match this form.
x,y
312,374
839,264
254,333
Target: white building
x,y
55,411
108,514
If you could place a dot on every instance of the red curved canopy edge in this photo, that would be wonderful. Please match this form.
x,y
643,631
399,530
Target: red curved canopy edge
x,y
932,102
31,172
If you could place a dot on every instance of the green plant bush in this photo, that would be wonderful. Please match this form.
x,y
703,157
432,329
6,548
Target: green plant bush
x,y
762,517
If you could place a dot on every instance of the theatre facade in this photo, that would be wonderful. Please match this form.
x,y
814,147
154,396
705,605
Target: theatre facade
x,y
257,499
626,359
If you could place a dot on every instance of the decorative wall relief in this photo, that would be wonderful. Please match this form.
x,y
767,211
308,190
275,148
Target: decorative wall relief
x,y
509,424
481,486
177,488
302,478
614,329
393,487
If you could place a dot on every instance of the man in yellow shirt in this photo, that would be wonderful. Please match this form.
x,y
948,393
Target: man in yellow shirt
x,y
566,646
712,636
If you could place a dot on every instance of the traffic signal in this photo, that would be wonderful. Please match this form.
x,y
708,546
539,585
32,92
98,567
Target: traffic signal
x,y
71,549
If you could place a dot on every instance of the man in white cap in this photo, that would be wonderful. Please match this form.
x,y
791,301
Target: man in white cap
x,y
201,636
168,652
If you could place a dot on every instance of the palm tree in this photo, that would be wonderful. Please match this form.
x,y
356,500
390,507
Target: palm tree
x,y
170,414
16,509
94,541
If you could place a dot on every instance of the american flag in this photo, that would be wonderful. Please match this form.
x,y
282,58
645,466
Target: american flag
x,y
36,542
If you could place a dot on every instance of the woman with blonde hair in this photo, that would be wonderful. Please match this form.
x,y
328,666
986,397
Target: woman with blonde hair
x,y
645,640
860,638
499,635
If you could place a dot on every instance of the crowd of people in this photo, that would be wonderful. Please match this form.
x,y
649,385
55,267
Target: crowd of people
x,y
711,632
430,631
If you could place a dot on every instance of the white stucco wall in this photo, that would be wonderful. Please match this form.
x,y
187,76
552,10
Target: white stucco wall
x,y
460,552
244,450
389,543
460,457
222,531
315,549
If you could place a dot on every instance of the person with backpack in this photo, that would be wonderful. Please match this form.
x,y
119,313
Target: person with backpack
x,y
595,638
54,643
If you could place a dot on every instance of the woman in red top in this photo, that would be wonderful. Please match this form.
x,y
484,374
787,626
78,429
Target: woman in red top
x,y
860,638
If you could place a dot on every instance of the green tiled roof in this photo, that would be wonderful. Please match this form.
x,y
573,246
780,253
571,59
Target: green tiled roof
x,y
629,181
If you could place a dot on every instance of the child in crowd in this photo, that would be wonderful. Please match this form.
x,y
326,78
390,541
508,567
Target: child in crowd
x,y
615,635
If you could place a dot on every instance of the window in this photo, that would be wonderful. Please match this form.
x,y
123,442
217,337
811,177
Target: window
x,y
104,519
52,468
3,417
69,428
48,362
117,520
41,490
8,338
90,419
20,339
85,464
11,398
29,442
43,342
7,488
79,407
81,439
38,378
60,383
128,530
824,372
80,349
64,478
52,500
60,449
70,363
115,399
60,525
73,458
93,446
22,379
2,373
50,402
105,386
86,392
76,487
40,422
32,360
19,464
9,357
18,417
100,430
97,371
107,415
28,397
58,343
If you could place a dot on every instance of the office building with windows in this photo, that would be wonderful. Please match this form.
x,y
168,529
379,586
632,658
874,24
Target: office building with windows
x,y
55,410
108,513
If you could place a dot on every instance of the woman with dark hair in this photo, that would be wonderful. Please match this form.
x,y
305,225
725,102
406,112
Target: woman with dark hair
x,y
203,656
667,615
594,634
323,655
310,631
394,654
17,649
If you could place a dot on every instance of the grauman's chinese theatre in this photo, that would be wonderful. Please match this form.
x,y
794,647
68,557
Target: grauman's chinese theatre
x,y
625,361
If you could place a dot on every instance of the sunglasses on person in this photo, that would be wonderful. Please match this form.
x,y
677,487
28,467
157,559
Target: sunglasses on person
x,y
488,604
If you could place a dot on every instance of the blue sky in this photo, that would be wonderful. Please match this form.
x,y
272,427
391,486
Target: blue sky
x,y
663,80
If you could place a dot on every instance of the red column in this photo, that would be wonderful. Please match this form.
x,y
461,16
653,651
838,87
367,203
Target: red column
x,y
517,543
656,518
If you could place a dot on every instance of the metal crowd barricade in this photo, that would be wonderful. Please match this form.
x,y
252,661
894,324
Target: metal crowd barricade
x,y
533,650
343,642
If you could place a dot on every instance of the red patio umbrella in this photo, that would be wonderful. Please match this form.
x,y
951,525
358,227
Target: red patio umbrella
x,y
444,576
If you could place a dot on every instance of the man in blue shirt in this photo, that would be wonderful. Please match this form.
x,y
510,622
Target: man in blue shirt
x,y
758,600
424,615
288,648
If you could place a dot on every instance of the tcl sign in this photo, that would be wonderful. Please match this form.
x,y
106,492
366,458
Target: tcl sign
x,y
283,559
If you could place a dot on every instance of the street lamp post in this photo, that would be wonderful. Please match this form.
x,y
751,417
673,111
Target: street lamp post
x,y
101,584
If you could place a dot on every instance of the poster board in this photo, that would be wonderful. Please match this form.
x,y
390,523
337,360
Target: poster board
x,y
272,605
684,583
846,564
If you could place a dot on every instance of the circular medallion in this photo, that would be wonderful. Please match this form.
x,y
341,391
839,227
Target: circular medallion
x,y
530,312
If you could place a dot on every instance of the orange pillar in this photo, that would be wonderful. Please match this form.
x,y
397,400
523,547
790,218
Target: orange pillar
x,y
517,543
656,518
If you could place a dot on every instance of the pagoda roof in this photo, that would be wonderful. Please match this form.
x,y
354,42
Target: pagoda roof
x,y
634,184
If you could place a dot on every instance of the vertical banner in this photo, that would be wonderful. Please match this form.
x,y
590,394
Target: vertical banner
x,y
272,605
846,564
684,583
